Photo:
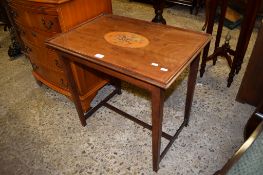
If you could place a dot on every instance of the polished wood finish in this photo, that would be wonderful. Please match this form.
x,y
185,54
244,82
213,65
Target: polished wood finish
x,y
126,60
157,95
173,49
38,20
190,87
238,54
252,84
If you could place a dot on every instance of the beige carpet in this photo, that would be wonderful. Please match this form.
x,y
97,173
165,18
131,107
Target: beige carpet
x,y
40,132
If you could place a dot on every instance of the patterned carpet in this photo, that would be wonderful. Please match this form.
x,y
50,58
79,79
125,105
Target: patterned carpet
x,y
40,132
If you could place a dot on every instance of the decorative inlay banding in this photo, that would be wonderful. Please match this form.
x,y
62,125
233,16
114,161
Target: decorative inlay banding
x,y
126,39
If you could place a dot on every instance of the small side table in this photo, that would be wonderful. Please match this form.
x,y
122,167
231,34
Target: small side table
x,y
148,55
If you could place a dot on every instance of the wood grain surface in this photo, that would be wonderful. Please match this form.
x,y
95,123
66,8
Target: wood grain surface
x,y
169,51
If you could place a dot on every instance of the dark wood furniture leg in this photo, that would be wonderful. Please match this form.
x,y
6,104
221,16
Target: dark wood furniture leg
x,y
194,4
244,37
157,119
220,27
74,90
191,88
158,9
212,5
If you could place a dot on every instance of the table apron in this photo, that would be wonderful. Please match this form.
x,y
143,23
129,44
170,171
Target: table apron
x,y
140,83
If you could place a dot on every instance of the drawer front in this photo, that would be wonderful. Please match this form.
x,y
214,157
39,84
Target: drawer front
x,y
47,23
52,59
55,77
19,15
34,36
30,50
44,56
37,17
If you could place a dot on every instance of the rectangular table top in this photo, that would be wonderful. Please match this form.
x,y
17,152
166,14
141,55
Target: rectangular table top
x,y
150,52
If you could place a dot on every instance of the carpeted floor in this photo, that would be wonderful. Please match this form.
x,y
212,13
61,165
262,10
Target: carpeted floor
x,y
40,132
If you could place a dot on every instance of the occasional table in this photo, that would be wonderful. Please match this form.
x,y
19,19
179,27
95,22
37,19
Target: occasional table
x,y
148,55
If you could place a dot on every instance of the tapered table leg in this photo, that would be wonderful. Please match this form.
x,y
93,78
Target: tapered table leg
x,y
74,90
158,9
157,118
190,88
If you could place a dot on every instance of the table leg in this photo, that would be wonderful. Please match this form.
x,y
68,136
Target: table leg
x,y
220,27
212,5
74,90
157,119
190,88
158,9
247,26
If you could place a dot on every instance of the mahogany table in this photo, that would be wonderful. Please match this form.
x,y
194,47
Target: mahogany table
x,y
148,55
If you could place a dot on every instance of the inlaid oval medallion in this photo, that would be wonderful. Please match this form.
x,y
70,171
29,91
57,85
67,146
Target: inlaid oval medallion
x,y
126,39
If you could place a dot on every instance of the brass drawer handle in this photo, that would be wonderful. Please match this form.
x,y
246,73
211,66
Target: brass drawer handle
x,y
62,82
35,67
57,64
48,25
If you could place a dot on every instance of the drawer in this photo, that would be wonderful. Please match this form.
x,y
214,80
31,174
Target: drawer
x,y
37,17
44,56
34,36
47,23
54,77
50,58
19,15
31,50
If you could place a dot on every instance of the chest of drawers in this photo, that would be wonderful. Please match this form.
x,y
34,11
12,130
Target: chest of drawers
x,y
37,20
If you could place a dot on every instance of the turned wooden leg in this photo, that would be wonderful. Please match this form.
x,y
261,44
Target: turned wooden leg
x,y
74,90
158,9
191,88
157,118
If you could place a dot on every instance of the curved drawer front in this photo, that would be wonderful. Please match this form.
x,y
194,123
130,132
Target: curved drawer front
x,y
34,36
54,77
19,14
37,17
47,23
44,56
31,50
50,59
